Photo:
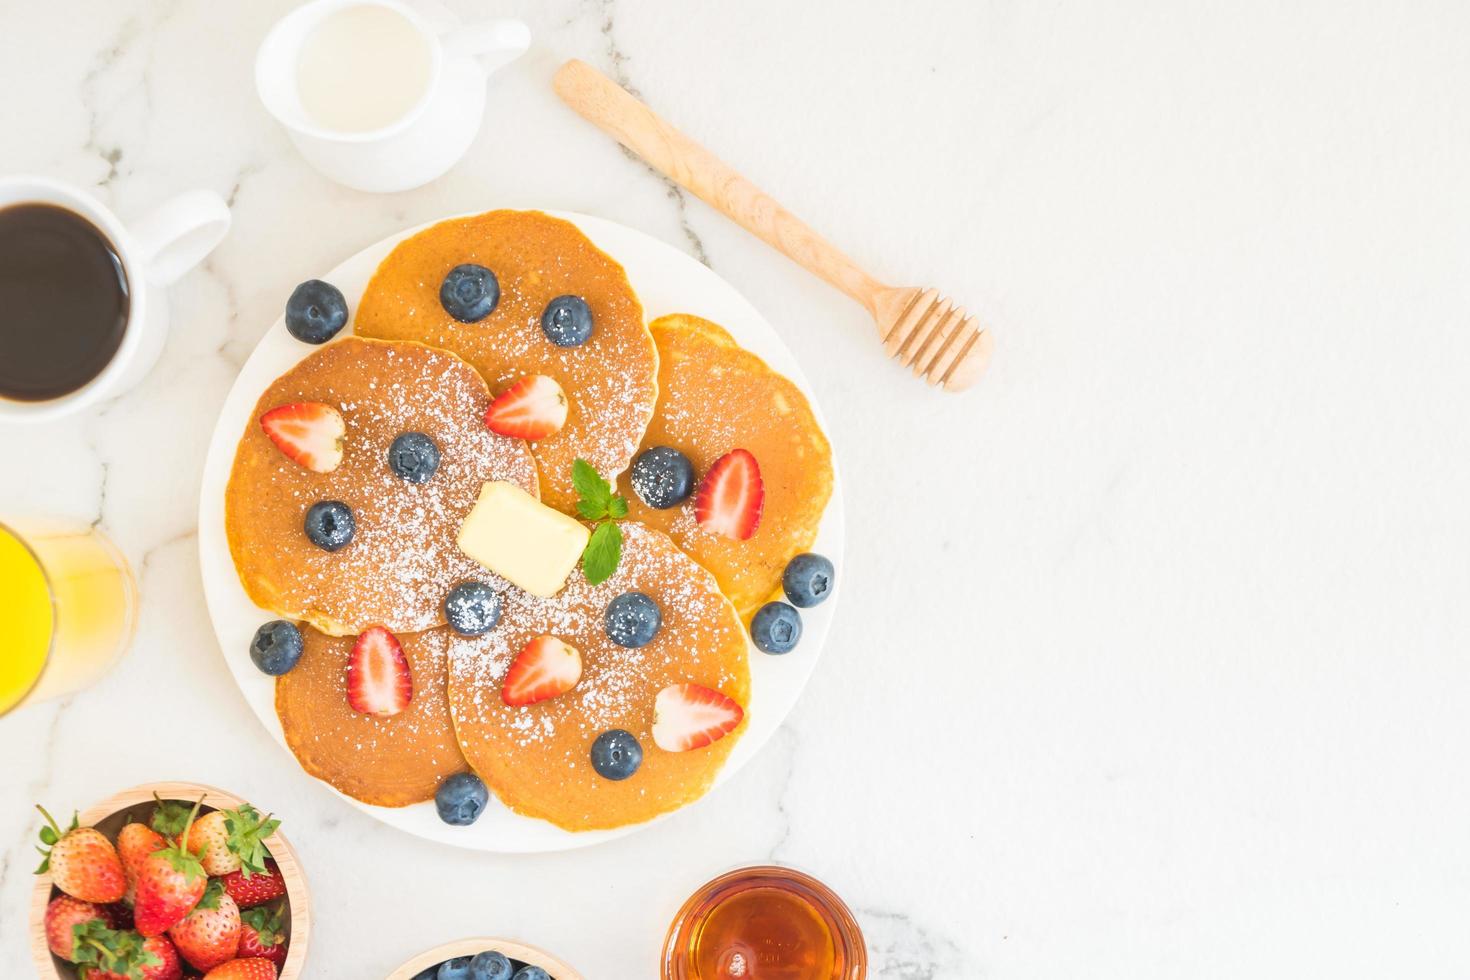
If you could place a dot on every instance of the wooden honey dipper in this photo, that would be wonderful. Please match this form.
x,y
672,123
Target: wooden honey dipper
x,y
919,328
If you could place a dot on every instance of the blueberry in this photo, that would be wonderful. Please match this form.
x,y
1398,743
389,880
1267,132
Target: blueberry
x,y
531,973
567,321
330,525
632,619
472,608
776,627
460,800
490,965
807,580
414,457
276,647
432,973
455,969
470,293
315,312
616,754
662,477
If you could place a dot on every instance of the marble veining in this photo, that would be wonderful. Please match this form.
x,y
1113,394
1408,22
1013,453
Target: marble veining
x,y
1150,661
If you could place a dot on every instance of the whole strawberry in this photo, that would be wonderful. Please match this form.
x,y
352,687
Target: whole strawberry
x,y
210,839
170,883
134,843
209,935
62,915
109,954
231,840
82,862
261,936
254,969
256,889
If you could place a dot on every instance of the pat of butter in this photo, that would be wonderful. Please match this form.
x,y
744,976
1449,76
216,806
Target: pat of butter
x,y
518,537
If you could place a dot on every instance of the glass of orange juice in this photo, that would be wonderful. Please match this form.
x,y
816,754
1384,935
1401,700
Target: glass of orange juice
x,y
68,605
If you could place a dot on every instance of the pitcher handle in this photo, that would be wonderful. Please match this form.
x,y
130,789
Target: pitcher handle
x,y
495,43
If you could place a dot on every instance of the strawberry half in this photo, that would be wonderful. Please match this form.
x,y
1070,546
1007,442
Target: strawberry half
x,y
309,433
378,678
544,668
532,408
689,716
731,495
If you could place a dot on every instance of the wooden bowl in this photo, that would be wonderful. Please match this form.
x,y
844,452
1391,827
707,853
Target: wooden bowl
x,y
469,947
109,817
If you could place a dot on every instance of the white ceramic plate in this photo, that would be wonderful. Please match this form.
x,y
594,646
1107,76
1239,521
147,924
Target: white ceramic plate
x,y
667,281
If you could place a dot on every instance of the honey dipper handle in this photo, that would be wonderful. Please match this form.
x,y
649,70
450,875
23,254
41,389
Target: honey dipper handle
x,y
613,110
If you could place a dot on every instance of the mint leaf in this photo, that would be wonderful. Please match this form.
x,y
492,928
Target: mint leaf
x,y
589,483
605,547
600,557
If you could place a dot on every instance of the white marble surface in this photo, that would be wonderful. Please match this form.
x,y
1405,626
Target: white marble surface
x,y
1153,654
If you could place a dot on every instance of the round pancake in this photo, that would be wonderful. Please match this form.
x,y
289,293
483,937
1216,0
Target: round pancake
x,y
403,559
715,396
610,381
537,758
391,761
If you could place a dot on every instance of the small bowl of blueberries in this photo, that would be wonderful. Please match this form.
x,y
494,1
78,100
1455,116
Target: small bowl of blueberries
x,y
485,959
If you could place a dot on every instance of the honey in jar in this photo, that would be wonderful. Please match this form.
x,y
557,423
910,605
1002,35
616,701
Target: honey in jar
x,y
765,923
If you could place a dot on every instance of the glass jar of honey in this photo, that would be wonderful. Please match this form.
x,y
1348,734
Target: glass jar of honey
x,y
765,923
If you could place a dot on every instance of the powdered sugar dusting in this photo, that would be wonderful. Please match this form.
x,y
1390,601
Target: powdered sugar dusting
x,y
610,380
388,761
698,628
403,560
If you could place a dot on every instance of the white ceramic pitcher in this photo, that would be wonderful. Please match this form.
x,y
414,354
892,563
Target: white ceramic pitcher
x,y
426,141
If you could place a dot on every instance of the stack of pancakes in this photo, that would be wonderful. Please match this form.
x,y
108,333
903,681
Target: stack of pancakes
x,y
679,382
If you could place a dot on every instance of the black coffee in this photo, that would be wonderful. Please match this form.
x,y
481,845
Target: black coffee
x,y
63,302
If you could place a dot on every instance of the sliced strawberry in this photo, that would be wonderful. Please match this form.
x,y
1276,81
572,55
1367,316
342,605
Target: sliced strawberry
x,y
378,678
688,716
309,433
532,408
544,668
731,495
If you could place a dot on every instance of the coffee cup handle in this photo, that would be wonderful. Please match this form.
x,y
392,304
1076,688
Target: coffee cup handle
x,y
176,236
495,43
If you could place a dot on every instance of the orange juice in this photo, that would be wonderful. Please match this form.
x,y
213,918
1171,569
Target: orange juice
x,y
28,619
67,605
765,923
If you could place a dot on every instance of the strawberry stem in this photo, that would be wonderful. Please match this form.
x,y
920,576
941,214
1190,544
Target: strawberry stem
x,y
49,819
184,837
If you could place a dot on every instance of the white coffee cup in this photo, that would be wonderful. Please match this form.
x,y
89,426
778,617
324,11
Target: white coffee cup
x,y
154,250
421,144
